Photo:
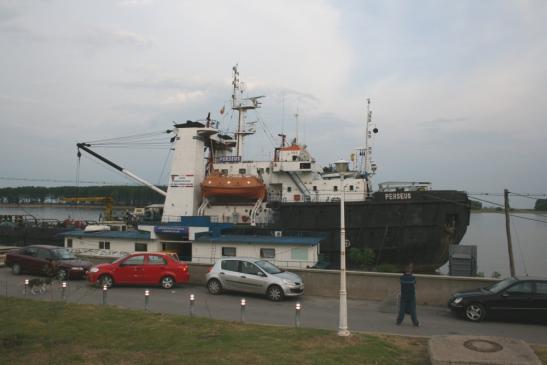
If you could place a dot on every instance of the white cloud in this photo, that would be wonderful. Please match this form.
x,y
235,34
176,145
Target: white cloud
x,y
182,97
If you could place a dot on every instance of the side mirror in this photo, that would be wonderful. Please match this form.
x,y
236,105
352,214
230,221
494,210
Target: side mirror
x,y
260,273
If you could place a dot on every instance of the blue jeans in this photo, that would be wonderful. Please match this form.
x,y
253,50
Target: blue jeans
x,y
407,305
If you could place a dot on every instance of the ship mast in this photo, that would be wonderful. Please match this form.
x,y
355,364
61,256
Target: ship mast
x,y
367,152
242,105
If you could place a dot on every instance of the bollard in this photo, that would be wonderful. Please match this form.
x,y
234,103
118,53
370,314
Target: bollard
x,y
105,289
63,288
25,292
192,298
243,303
297,315
146,298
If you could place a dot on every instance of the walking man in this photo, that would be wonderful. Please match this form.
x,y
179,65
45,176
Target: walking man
x,y
408,297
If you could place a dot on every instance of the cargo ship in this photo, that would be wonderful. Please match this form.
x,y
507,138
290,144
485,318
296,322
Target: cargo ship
x,y
292,194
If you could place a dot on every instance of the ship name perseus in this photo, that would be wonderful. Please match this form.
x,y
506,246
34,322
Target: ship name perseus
x,y
397,196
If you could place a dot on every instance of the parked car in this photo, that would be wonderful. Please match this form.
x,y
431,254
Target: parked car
x,y
148,268
253,276
47,260
525,297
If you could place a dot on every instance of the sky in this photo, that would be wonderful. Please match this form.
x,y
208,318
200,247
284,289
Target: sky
x,y
457,88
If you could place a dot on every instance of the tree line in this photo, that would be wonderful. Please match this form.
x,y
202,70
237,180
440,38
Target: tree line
x,y
121,195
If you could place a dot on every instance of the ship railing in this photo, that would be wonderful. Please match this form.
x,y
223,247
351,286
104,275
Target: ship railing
x,y
319,197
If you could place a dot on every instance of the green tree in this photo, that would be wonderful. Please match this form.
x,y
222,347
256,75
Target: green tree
x,y
360,258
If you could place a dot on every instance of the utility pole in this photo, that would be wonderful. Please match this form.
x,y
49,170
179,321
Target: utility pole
x,y
508,230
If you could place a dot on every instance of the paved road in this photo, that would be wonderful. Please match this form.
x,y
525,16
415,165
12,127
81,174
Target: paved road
x,y
317,312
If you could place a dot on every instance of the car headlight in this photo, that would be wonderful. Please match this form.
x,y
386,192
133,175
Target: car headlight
x,y
77,268
457,300
288,282
94,269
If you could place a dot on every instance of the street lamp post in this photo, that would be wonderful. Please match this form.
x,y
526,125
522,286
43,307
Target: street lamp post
x,y
343,325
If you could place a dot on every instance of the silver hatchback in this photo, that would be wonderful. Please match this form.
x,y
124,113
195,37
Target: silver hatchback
x,y
253,276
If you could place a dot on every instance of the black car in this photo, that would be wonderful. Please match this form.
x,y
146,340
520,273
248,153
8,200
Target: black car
x,y
525,297
47,260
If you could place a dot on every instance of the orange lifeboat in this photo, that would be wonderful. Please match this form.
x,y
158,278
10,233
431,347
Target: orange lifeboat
x,y
243,186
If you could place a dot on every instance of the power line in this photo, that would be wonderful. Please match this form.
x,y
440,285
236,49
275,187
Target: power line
x,y
58,181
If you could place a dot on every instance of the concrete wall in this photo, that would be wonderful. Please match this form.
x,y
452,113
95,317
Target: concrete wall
x,y
430,289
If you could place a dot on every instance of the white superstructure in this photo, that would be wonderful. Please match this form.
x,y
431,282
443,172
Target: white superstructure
x,y
292,176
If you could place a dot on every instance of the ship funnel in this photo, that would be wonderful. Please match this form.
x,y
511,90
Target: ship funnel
x,y
341,166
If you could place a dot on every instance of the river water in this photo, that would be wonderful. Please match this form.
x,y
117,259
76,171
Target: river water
x,y
486,231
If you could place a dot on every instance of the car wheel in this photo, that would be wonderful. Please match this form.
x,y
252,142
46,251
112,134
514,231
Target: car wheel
x,y
16,269
275,293
214,286
475,312
61,275
106,280
167,282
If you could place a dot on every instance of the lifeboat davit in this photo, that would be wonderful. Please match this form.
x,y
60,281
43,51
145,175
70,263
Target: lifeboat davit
x,y
236,186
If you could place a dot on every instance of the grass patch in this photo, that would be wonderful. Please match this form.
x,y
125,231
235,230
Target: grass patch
x,y
541,351
36,332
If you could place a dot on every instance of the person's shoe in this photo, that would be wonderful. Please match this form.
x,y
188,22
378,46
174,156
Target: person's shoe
x,y
417,324
398,323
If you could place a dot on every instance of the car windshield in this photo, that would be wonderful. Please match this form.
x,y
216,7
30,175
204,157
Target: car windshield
x,y
268,267
501,285
63,254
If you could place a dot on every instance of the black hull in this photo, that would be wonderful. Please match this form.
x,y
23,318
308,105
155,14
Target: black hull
x,y
400,228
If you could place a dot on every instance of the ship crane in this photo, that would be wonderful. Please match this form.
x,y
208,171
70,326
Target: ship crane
x,y
85,147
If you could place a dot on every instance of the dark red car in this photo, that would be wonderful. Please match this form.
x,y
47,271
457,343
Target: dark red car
x,y
144,268
47,260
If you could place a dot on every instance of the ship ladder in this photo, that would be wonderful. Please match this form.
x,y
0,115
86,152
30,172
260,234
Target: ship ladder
x,y
300,184
204,203
254,211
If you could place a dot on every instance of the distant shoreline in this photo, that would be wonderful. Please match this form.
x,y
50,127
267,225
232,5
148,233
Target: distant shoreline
x,y
61,205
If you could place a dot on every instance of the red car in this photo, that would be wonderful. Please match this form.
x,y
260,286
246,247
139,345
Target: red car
x,y
141,268
47,260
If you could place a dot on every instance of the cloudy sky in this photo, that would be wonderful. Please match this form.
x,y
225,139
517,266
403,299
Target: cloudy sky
x,y
458,88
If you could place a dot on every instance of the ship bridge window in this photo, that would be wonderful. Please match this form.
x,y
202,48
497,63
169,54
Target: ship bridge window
x,y
104,245
242,171
224,171
267,170
335,188
351,188
305,165
294,158
228,251
260,171
314,188
289,189
69,242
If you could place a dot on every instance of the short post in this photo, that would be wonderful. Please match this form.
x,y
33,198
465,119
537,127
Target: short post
x,y
297,315
63,289
192,299
25,291
243,303
146,299
105,289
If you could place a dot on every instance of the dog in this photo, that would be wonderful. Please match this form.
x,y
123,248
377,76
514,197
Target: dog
x,y
38,285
